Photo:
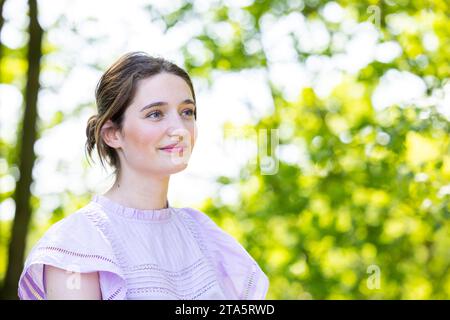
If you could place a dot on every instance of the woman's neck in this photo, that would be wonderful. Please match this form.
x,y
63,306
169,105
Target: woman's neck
x,y
139,191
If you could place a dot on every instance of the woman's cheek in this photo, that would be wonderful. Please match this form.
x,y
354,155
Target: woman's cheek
x,y
144,138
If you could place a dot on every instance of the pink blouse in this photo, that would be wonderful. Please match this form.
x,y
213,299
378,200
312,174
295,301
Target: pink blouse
x,y
170,253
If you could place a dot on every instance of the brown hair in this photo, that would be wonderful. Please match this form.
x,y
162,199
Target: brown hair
x,y
114,93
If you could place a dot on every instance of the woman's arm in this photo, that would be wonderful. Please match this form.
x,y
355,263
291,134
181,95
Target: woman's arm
x,y
63,285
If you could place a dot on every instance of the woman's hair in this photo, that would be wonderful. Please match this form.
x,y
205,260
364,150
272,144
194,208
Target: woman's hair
x,y
114,93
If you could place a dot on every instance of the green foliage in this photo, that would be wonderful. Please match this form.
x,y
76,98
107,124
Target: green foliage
x,y
372,192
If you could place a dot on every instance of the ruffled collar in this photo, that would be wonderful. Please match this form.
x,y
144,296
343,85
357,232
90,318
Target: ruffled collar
x,y
163,214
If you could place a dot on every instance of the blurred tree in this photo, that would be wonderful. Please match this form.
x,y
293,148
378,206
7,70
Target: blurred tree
x,y
2,2
22,193
2,151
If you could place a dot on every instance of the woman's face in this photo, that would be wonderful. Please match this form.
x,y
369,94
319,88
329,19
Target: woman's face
x,y
161,114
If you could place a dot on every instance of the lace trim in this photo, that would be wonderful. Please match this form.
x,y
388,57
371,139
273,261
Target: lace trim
x,y
197,277
99,219
114,295
154,267
177,282
198,235
77,254
172,279
187,288
250,284
192,296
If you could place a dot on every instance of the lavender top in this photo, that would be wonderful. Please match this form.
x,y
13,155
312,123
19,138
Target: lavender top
x,y
170,253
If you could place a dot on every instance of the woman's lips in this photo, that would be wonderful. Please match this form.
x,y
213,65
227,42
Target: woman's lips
x,y
173,149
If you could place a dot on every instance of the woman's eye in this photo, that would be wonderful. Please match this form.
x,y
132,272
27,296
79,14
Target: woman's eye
x,y
157,114
190,112
150,115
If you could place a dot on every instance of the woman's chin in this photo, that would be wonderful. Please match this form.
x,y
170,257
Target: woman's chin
x,y
177,159
172,168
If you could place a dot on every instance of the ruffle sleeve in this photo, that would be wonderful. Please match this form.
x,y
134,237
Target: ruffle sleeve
x,y
240,275
74,244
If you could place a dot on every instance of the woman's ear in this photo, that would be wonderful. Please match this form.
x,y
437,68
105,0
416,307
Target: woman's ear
x,y
111,135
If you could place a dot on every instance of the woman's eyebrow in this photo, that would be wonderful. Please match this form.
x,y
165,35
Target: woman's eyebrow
x,y
163,103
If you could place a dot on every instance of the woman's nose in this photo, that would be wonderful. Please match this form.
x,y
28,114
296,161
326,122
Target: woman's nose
x,y
177,128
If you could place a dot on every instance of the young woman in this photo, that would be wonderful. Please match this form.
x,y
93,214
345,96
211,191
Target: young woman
x,y
129,243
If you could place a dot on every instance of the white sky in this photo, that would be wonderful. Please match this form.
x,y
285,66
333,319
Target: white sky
x,y
124,26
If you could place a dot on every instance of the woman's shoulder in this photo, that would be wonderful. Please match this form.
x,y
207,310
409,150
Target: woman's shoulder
x,y
75,238
200,217
75,244
78,224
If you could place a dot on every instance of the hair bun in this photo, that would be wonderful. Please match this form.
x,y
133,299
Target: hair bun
x,y
90,131
92,122
93,119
